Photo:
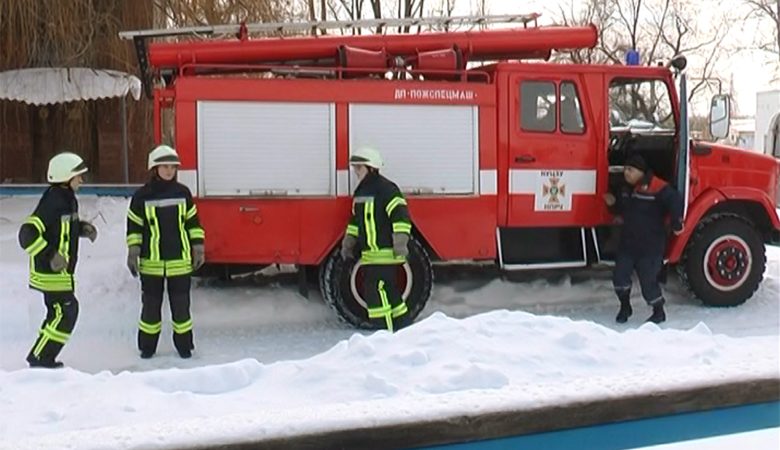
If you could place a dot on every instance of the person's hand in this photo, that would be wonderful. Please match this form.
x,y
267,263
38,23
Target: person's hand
x,y
133,253
348,247
58,262
401,244
609,199
198,256
88,231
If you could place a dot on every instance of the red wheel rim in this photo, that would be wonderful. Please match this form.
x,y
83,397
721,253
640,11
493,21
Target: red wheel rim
x,y
727,262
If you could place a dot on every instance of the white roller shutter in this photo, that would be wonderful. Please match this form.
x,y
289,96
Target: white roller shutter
x,y
427,149
266,148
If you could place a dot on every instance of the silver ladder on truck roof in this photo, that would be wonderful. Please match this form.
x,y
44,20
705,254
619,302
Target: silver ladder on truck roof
x,y
288,27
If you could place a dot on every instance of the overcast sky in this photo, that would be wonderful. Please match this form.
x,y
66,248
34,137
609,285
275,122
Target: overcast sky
x,y
750,72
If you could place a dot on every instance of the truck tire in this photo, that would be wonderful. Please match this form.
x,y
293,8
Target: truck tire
x,y
340,287
723,263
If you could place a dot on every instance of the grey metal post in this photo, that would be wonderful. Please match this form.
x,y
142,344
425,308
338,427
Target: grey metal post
x,y
125,168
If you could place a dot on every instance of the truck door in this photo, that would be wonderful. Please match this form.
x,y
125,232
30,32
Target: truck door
x,y
552,172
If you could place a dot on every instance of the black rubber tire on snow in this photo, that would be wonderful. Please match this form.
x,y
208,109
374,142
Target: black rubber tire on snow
x,y
692,265
336,279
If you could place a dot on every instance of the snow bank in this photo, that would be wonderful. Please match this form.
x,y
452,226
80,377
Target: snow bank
x,y
244,382
441,365
264,318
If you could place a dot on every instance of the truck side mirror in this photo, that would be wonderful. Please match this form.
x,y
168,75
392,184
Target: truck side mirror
x,y
720,116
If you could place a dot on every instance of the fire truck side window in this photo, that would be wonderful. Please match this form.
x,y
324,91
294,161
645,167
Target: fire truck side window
x,y
538,106
640,105
571,112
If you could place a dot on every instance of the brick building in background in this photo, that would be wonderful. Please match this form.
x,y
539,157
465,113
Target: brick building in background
x,y
30,135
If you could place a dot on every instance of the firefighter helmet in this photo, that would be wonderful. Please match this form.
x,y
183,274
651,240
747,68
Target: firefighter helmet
x,y
163,154
64,166
367,156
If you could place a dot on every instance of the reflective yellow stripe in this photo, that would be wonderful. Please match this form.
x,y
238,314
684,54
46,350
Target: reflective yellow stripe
x,y
148,267
378,313
171,268
197,233
185,241
352,230
385,305
134,239
182,327
368,217
402,227
36,247
150,328
392,204
55,335
399,310
51,282
65,240
37,223
45,331
381,256
134,217
154,228
192,212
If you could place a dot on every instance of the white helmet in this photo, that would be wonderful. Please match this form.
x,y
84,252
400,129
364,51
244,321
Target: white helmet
x,y
64,166
162,154
367,156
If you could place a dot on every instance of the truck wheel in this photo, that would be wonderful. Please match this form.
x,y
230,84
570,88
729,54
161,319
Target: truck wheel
x,y
724,261
341,286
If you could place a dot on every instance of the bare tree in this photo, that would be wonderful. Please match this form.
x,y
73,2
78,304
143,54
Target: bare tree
x,y
767,10
657,29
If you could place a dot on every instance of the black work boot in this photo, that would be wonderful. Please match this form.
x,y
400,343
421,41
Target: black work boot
x,y
185,354
625,309
146,354
44,364
658,314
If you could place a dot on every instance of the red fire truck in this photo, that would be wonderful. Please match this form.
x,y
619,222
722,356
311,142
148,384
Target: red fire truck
x,y
501,158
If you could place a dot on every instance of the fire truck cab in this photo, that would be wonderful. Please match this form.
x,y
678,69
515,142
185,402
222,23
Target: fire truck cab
x,y
505,161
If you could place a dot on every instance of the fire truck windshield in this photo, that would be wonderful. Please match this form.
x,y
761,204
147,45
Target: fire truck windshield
x,y
640,105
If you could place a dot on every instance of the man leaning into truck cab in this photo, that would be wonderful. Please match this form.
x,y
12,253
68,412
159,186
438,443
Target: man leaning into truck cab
x,y
644,204
380,228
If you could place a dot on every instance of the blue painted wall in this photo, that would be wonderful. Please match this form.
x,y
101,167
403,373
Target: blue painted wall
x,y
112,190
640,433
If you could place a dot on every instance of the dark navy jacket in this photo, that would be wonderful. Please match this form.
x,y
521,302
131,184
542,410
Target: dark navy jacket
x,y
645,209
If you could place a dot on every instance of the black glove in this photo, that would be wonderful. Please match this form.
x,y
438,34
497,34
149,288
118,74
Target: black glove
x,y
401,244
198,256
88,231
58,263
348,247
133,253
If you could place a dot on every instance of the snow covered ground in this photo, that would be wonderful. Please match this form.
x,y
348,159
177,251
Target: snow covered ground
x,y
270,363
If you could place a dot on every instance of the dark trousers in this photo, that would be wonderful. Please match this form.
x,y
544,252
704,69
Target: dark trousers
x,y
383,296
151,312
62,310
647,269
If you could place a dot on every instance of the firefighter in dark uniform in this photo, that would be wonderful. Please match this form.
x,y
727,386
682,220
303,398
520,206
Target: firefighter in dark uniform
x,y
165,244
51,237
644,204
380,227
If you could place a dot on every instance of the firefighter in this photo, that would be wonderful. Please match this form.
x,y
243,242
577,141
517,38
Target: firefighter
x,y
380,228
165,245
51,237
644,205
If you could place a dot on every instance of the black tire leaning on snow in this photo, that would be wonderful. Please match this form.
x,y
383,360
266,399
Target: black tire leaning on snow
x,y
691,267
335,285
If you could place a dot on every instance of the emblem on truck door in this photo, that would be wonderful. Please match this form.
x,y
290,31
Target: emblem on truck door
x,y
551,191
